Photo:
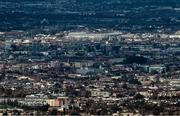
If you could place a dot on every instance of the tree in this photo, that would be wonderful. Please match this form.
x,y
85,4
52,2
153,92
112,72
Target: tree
x,y
56,87
138,96
53,112
136,59
2,90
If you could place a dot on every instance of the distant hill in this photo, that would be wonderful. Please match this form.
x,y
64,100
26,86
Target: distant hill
x,y
132,15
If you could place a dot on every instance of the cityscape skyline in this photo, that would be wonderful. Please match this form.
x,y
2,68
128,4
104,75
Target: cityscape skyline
x,y
90,57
